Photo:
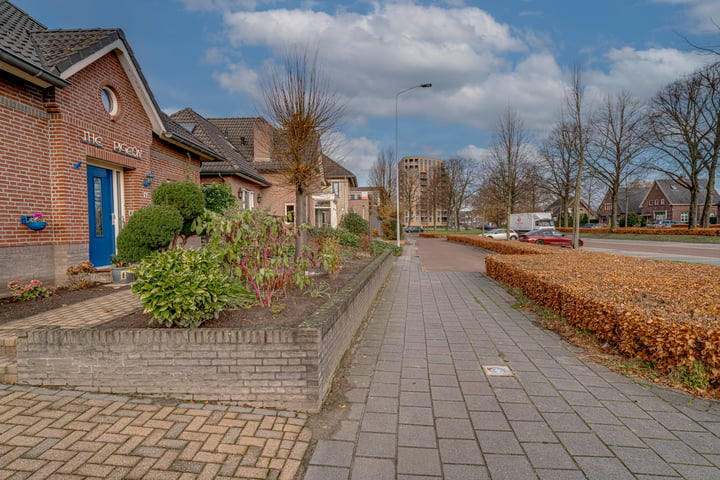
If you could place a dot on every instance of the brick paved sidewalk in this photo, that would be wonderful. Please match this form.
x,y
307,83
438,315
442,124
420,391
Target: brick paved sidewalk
x,y
73,435
422,406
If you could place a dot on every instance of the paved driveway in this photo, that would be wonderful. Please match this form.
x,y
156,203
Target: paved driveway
x,y
425,402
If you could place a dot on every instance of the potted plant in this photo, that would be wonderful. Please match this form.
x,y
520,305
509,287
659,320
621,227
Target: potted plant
x,y
120,271
36,221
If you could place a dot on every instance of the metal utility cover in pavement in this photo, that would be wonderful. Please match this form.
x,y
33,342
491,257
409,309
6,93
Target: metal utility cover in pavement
x,y
497,371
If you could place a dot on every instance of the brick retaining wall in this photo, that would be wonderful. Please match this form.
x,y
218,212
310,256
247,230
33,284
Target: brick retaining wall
x,y
279,368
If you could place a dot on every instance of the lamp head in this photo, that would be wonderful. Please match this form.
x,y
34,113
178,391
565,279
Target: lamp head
x,y
426,85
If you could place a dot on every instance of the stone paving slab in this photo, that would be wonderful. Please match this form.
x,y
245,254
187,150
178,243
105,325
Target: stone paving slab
x,y
63,434
422,406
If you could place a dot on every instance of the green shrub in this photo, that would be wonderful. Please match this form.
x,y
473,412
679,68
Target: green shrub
x,y
377,247
148,229
185,197
354,223
184,287
258,249
348,239
219,197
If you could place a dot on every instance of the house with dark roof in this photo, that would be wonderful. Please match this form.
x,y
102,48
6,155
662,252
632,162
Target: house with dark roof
x,y
233,169
84,144
256,140
669,200
629,200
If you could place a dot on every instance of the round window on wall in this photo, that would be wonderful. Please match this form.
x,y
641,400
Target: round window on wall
x,y
109,100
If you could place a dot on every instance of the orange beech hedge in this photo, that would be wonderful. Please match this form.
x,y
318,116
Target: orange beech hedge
x,y
512,247
664,312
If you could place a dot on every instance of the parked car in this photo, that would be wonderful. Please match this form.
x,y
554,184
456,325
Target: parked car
x,y
662,224
413,229
501,234
591,225
547,236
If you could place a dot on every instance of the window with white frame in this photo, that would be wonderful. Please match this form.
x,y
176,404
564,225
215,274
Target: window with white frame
x,y
608,206
290,213
336,188
246,198
684,217
662,201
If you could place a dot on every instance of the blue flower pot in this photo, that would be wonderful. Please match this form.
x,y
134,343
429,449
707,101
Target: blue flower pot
x,y
36,225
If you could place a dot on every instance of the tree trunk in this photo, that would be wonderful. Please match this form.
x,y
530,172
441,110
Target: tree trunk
x,y
300,219
707,206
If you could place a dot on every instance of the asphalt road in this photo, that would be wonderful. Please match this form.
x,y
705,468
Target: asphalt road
x,y
707,253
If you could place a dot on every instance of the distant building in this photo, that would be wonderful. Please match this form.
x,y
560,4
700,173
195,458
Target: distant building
x,y
415,176
668,200
629,201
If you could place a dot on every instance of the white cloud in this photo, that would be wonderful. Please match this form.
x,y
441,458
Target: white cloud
x,y
478,66
643,72
705,14
356,154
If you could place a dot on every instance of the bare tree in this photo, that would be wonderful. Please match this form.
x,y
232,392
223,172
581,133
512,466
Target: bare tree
x,y
558,167
383,174
409,192
461,172
302,107
508,162
620,137
435,196
677,133
576,111
710,81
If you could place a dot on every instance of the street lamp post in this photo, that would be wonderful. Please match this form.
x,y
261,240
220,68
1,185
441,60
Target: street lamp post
x,y
397,159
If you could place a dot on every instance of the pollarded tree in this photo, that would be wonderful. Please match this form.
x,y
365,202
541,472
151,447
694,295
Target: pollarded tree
x,y
302,106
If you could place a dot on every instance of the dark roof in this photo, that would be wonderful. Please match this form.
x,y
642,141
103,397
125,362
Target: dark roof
x,y
333,169
676,194
61,49
31,46
635,196
239,132
175,131
15,29
232,162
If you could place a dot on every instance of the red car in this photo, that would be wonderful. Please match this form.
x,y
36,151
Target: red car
x,y
548,237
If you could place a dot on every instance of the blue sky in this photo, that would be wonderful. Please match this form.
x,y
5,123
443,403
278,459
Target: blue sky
x,y
481,57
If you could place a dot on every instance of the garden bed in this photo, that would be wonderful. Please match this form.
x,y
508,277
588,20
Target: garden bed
x,y
282,367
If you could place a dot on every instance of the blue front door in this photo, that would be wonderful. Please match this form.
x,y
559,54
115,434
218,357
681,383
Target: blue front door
x,y
100,214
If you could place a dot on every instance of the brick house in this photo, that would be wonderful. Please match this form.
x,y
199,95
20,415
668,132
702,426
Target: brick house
x,y
254,138
556,209
629,199
246,183
668,200
83,143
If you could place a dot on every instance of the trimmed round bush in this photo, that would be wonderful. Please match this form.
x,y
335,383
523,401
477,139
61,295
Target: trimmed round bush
x,y
354,223
185,197
148,229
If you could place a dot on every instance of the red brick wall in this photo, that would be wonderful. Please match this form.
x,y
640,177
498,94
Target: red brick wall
x,y
24,182
42,132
